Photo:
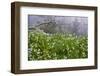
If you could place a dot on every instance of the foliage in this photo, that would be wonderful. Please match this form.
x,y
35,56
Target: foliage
x,y
44,46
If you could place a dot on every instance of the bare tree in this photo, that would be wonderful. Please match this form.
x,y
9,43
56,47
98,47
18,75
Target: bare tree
x,y
75,27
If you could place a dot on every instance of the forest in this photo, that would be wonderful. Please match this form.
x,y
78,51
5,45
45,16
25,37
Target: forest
x,y
57,37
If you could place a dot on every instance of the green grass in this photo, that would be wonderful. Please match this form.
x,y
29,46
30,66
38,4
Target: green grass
x,y
56,46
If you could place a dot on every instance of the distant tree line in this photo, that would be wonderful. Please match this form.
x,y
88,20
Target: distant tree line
x,y
50,25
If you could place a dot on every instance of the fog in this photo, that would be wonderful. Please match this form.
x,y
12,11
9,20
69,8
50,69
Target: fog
x,y
63,24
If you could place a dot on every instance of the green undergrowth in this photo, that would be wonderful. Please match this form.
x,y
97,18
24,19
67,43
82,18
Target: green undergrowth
x,y
44,46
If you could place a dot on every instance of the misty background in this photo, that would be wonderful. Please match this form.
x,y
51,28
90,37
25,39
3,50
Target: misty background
x,y
59,24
